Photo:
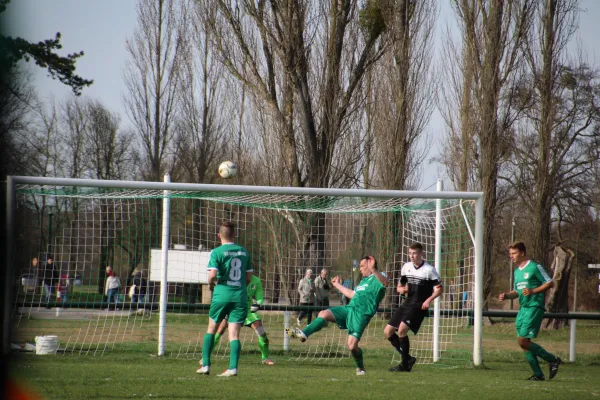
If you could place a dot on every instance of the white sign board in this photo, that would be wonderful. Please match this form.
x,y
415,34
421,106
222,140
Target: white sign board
x,y
184,266
595,266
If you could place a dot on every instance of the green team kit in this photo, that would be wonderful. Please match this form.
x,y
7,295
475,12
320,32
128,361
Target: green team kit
x,y
356,315
255,293
531,313
530,316
230,295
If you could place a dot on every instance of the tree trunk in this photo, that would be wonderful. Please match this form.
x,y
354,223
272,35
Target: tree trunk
x,y
543,182
557,299
314,248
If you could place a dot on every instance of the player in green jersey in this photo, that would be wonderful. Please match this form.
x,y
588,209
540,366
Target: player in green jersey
x,y
229,270
355,316
531,281
255,300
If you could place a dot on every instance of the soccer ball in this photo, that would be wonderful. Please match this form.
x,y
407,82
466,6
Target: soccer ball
x,y
227,169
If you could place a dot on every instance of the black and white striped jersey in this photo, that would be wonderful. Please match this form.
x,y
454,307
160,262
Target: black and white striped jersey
x,y
421,281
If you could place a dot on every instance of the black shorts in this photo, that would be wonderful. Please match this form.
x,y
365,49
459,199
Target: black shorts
x,y
411,315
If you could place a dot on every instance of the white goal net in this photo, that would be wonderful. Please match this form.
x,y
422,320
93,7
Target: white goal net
x,y
85,229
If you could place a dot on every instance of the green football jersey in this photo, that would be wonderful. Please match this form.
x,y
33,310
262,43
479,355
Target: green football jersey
x,y
367,295
231,261
532,275
255,291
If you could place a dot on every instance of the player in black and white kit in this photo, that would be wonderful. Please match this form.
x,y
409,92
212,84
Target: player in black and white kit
x,y
420,284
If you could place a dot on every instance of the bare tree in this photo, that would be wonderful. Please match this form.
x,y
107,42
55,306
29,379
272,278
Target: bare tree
x,y
404,93
493,33
41,143
17,100
400,94
304,61
455,100
299,59
302,65
556,144
205,112
557,147
109,154
91,144
152,77
74,121
579,231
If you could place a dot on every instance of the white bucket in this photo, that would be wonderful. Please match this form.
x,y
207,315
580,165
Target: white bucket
x,y
46,344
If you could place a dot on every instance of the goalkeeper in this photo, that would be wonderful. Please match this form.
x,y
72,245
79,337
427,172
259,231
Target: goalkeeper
x,y
355,316
255,299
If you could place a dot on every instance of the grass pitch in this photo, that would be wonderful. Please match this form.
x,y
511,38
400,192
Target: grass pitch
x,y
142,376
135,375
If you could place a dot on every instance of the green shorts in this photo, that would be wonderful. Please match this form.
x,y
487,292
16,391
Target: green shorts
x,y
251,318
529,321
352,319
237,311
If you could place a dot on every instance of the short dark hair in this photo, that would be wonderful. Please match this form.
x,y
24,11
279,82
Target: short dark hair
x,y
416,246
49,258
227,230
518,245
365,258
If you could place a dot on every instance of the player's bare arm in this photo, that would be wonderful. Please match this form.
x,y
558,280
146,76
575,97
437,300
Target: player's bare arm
x,y
539,289
337,283
212,277
437,291
371,264
509,295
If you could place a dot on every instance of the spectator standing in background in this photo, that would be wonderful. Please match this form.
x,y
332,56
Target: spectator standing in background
x,y
323,286
50,279
306,289
139,282
113,284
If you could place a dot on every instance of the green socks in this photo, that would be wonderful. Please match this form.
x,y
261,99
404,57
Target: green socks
x,y
316,326
217,338
535,351
207,348
533,363
539,351
234,357
358,358
263,344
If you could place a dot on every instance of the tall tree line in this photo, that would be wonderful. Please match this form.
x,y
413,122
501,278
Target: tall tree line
x,y
341,94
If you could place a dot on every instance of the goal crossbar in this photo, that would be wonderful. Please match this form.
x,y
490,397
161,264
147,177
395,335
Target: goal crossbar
x,y
201,187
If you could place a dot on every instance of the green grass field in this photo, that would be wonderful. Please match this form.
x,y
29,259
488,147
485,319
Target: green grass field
x,y
127,377
140,375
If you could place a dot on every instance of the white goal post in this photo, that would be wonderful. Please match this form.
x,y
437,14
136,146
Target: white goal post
x,y
276,199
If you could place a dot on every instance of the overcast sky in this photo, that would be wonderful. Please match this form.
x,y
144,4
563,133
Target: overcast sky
x,y
100,28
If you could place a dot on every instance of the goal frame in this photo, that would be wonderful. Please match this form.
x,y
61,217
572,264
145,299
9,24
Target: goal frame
x,y
168,186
